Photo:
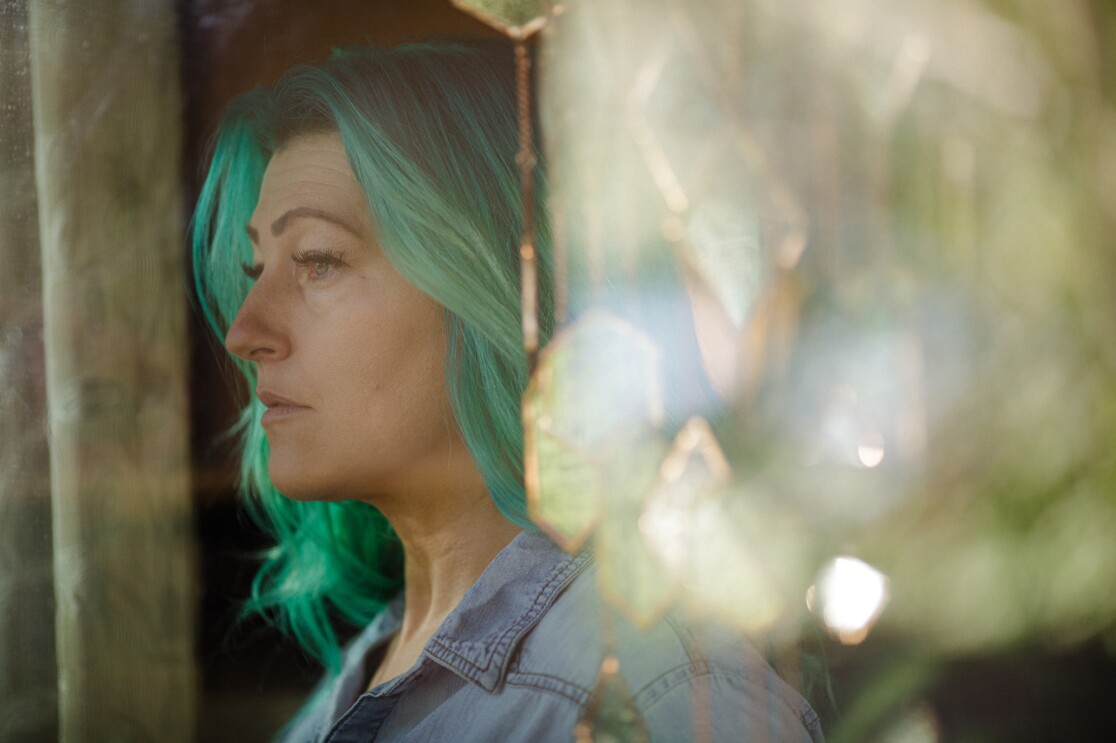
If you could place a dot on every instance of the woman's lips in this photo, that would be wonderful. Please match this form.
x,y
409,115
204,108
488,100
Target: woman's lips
x,y
278,407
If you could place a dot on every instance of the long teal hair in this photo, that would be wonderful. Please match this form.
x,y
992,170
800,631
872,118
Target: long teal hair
x,y
431,133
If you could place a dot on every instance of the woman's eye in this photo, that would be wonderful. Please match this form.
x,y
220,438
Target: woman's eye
x,y
320,264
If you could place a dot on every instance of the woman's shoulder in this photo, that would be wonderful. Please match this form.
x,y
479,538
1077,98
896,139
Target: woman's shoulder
x,y
521,659
680,674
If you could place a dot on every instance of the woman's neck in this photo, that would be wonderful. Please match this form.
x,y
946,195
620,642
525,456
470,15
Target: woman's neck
x,y
448,541
444,555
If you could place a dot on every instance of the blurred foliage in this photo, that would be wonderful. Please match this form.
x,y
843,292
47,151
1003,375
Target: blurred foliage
x,y
893,219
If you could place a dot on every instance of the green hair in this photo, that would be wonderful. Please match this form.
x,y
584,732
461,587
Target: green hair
x,y
431,133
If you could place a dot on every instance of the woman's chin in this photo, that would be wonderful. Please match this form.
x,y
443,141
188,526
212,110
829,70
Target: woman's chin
x,y
299,487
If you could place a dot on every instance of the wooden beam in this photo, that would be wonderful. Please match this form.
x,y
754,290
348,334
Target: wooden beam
x,y
107,133
28,681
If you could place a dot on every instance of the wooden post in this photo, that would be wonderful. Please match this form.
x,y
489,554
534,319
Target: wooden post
x,y
28,681
107,126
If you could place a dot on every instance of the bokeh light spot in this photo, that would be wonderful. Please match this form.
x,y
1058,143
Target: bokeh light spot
x,y
849,597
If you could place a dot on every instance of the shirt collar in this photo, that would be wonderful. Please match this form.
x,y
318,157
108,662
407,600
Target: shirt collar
x,y
350,684
477,639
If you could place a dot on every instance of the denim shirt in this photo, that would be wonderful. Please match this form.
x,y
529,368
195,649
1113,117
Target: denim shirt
x,y
519,657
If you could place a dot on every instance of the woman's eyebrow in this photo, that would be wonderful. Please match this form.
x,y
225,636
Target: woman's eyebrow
x,y
280,224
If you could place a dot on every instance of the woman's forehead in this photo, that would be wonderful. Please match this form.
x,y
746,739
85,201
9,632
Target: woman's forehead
x,y
310,172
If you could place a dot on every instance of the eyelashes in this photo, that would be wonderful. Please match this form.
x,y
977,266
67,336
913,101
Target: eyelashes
x,y
320,264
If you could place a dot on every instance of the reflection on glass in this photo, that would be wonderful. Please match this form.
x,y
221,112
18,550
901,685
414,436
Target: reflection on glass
x,y
516,18
849,597
609,716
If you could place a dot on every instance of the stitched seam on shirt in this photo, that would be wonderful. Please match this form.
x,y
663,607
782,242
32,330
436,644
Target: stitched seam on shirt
x,y
685,638
502,642
701,666
543,598
646,697
697,665
809,717
566,689
645,705
339,722
353,711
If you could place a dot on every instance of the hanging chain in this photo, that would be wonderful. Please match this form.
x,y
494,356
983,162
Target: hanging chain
x,y
528,260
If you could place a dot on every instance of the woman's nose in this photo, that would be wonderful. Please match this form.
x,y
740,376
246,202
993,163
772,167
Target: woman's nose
x,y
255,334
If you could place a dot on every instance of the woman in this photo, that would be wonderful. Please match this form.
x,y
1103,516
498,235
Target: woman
x,y
355,244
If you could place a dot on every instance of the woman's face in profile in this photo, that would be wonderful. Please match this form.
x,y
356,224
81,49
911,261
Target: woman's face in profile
x,y
350,356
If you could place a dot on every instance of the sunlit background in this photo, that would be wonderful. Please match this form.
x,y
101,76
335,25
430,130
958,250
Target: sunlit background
x,y
892,221
893,218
